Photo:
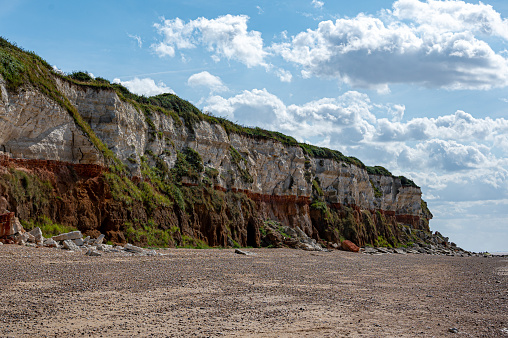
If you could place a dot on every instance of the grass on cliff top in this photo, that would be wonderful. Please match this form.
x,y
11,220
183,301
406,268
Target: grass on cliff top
x,y
381,171
18,67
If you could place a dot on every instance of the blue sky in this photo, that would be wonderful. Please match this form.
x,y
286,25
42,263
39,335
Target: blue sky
x,y
417,86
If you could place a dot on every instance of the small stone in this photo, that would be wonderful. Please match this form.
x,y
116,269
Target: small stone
x,y
369,250
133,248
37,233
78,241
50,242
92,252
69,244
99,239
67,236
1,243
453,330
349,246
400,251
241,252
152,253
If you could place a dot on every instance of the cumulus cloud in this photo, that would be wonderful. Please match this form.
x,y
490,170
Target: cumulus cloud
x,y
146,86
447,155
317,3
214,83
225,37
284,75
366,52
440,44
434,44
452,16
253,108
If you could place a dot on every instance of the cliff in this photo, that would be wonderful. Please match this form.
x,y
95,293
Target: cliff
x,y
86,153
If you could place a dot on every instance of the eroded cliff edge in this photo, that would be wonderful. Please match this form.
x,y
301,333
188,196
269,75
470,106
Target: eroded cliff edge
x,y
99,160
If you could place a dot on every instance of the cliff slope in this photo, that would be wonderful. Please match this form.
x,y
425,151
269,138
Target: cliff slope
x,y
156,171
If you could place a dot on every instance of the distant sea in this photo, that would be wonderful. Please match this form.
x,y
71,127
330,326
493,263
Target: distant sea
x,y
500,253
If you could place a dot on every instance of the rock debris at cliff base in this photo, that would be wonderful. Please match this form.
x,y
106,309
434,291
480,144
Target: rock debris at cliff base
x,y
74,241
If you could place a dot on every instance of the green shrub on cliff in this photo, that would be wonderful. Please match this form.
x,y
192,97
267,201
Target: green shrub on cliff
x,y
238,160
381,171
26,189
81,76
321,152
377,193
149,235
11,70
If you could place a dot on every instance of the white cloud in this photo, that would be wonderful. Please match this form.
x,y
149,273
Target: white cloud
x,y
284,75
225,37
214,83
447,155
163,49
58,70
439,44
433,44
317,3
452,16
146,86
253,108
137,38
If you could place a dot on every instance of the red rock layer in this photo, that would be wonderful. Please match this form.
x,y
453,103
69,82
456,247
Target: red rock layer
x,y
83,199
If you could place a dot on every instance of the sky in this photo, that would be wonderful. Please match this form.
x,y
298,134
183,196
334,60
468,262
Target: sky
x,y
417,86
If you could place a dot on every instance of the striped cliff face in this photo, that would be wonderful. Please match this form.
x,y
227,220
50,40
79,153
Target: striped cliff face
x,y
283,181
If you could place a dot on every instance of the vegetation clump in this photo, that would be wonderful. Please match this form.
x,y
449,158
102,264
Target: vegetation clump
x,y
377,193
47,226
241,165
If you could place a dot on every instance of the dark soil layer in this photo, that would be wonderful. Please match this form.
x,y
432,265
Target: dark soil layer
x,y
274,293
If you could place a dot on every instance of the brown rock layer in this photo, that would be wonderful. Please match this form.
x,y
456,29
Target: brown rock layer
x,y
80,196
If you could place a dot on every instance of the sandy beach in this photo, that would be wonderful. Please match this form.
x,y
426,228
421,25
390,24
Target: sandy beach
x,y
272,293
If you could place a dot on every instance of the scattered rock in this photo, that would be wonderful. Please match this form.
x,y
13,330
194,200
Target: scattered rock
x,y
453,330
79,241
383,250
241,252
37,233
51,243
67,236
369,250
134,248
92,252
99,239
69,244
278,235
349,246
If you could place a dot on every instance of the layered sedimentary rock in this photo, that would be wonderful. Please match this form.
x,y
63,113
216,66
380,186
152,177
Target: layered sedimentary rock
x,y
321,196
35,127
